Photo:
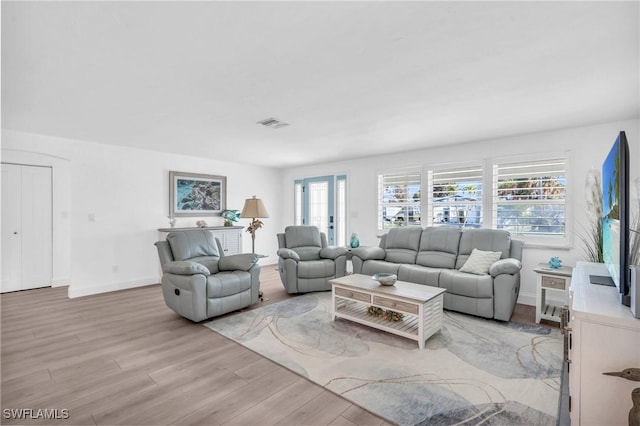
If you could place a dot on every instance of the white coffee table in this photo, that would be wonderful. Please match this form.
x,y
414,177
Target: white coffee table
x,y
352,295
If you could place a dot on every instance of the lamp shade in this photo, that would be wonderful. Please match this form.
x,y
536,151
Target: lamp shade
x,y
254,208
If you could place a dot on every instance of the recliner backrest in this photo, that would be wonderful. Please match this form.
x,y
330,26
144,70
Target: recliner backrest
x,y
402,244
306,241
439,247
483,239
193,243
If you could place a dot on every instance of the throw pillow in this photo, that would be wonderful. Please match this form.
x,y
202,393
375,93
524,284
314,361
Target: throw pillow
x,y
480,261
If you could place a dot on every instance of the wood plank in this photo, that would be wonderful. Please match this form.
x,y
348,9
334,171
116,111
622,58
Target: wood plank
x,y
125,358
322,410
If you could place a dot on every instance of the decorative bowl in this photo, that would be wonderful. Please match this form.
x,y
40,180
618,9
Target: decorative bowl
x,y
385,278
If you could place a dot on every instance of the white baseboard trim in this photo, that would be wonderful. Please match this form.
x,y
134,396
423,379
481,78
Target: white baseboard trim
x,y
60,282
527,299
74,291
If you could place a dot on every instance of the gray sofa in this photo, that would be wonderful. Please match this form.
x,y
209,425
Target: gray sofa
x,y
434,256
199,281
305,262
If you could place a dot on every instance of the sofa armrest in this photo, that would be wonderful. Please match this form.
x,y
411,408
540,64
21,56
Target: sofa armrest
x,y
185,267
505,266
333,252
237,262
286,253
369,253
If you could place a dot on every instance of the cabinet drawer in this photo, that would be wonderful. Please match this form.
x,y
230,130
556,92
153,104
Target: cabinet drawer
x,y
395,304
355,295
554,282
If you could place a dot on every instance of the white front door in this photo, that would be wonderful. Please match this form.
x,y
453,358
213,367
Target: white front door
x,y
26,227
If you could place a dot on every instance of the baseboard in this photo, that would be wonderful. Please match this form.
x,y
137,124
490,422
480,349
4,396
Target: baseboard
x,y
527,299
268,261
74,291
60,282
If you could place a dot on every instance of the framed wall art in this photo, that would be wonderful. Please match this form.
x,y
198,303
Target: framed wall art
x,y
194,194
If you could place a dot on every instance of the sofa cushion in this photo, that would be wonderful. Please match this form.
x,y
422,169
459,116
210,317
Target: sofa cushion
x,y
483,239
439,247
419,274
470,285
402,244
194,243
480,261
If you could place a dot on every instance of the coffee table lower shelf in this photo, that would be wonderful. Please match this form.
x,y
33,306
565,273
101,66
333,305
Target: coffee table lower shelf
x,y
408,327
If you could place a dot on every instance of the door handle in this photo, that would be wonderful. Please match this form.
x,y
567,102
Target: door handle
x,y
15,233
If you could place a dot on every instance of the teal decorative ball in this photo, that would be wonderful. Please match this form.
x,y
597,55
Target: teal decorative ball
x,y
555,262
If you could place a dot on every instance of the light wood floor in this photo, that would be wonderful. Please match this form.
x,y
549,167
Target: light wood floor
x,y
125,358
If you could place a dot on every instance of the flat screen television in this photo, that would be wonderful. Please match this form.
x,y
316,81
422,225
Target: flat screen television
x,y
615,217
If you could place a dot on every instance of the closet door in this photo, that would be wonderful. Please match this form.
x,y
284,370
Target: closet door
x,y
26,227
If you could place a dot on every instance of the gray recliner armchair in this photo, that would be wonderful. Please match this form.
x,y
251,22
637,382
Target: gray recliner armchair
x,y
199,281
305,262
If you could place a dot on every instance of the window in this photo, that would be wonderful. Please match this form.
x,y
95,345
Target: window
x,y
399,199
529,198
455,197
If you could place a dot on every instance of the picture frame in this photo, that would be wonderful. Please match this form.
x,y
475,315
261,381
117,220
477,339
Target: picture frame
x,y
196,194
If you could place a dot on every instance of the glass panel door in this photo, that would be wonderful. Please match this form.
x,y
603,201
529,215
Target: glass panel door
x,y
322,202
319,205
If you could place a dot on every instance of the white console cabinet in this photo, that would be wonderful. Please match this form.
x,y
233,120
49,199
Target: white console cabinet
x,y
230,236
603,337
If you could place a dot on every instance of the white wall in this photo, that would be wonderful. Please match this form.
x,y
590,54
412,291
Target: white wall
x,y
588,147
127,192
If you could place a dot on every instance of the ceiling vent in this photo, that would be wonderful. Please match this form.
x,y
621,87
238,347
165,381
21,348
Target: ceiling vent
x,y
273,123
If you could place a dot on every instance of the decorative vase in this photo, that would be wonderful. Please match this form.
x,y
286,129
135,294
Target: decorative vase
x,y
555,262
355,242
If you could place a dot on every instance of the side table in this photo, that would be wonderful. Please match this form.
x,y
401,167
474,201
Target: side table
x,y
556,281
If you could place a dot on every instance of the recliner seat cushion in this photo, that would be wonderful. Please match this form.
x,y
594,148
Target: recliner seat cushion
x,y
189,244
227,283
316,268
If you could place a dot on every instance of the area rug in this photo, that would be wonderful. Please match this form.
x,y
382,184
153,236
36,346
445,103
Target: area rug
x,y
474,371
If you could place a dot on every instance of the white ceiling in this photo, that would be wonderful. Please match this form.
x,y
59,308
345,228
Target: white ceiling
x,y
351,78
